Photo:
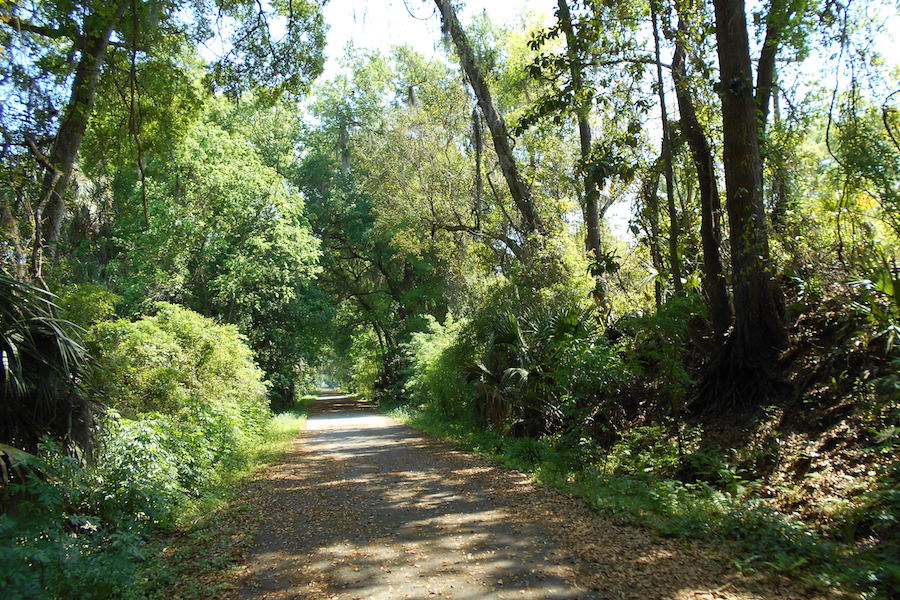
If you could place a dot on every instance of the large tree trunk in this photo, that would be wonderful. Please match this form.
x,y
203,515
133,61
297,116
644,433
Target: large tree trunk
x,y
92,48
591,202
748,364
520,192
674,226
714,281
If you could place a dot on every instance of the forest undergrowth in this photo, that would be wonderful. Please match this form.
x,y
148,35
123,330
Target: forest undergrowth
x,y
648,251
187,423
804,487
92,554
193,560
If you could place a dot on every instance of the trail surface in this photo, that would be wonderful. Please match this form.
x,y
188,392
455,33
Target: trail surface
x,y
366,508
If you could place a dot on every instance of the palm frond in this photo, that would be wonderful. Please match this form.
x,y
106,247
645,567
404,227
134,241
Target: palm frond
x,y
42,367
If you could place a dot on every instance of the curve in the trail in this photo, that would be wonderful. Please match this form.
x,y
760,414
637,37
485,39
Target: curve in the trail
x,y
366,508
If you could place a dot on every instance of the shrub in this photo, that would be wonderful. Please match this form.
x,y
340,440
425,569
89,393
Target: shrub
x,y
658,348
174,362
652,449
188,407
55,543
43,365
437,366
86,304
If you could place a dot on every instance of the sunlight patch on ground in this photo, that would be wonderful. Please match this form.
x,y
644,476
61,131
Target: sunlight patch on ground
x,y
342,420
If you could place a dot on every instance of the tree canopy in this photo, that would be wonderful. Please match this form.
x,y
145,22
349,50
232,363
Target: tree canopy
x,y
596,227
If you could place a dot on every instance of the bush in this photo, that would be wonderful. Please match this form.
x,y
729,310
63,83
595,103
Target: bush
x,y
191,400
43,366
437,367
56,542
658,348
86,304
188,408
652,449
177,362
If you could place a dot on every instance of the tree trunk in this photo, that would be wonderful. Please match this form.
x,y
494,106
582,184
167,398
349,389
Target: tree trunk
x,y
714,281
94,41
651,207
674,227
776,20
781,189
478,144
747,366
10,226
590,205
520,192
766,94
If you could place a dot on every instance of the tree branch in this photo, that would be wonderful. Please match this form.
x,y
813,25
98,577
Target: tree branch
x,y
20,25
638,60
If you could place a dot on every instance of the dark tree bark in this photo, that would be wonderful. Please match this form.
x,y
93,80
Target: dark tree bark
x,y
714,280
590,204
92,45
520,192
776,20
674,226
747,366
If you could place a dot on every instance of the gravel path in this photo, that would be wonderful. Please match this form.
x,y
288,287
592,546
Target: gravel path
x,y
366,508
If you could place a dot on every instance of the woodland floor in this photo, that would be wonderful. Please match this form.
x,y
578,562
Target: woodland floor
x,y
363,507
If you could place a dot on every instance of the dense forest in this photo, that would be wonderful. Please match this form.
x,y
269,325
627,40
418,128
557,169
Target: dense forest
x,y
192,240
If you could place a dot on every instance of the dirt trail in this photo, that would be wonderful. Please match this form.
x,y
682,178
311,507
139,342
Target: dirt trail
x,y
366,508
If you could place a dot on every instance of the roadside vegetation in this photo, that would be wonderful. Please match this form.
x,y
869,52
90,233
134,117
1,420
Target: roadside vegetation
x,y
186,422
804,486
646,251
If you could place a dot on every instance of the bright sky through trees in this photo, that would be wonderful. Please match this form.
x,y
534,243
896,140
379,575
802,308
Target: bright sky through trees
x,y
385,23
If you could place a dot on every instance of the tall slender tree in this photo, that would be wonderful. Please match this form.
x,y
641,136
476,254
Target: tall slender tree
x,y
748,364
575,52
518,188
674,225
714,279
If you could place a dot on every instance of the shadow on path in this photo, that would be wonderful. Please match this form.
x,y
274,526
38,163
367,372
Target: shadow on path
x,y
364,507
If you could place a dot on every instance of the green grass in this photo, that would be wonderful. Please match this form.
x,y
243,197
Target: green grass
x,y
282,429
756,536
194,559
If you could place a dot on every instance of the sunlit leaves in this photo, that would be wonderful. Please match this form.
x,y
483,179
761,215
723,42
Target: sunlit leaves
x,y
273,52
